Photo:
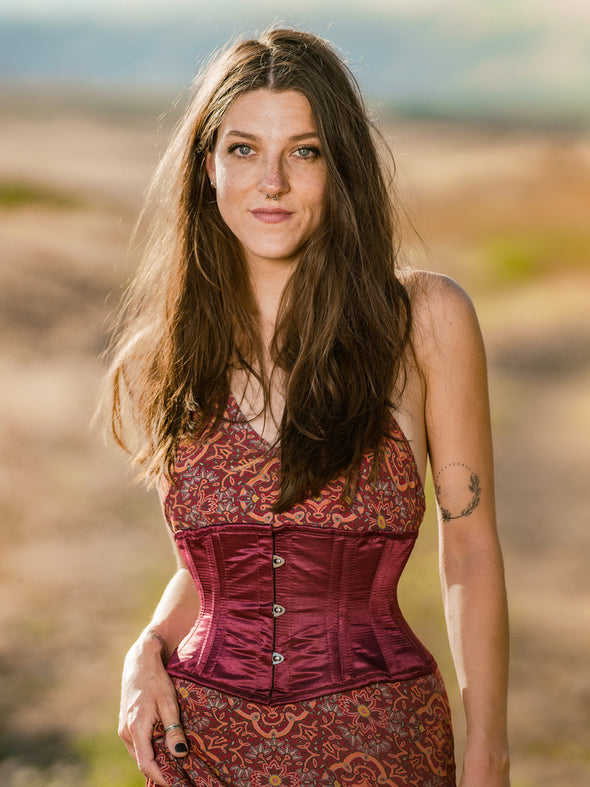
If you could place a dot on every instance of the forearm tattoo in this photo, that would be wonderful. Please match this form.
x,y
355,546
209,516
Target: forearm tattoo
x,y
155,635
457,491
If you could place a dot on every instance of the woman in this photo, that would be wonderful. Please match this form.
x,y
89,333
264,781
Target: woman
x,y
286,388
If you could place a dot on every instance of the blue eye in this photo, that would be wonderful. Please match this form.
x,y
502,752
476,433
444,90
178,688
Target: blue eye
x,y
242,149
308,152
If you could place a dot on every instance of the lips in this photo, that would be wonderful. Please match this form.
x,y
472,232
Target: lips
x,y
271,215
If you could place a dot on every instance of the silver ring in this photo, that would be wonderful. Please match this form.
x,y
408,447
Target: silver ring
x,y
170,727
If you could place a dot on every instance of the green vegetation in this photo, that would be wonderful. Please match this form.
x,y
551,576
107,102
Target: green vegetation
x,y
19,194
99,760
106,762
522,255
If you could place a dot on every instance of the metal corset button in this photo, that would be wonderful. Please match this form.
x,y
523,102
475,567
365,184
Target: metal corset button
x,y
277,658
277,610
277,561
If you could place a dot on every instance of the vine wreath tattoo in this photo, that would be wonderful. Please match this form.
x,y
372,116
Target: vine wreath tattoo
x,y
457,490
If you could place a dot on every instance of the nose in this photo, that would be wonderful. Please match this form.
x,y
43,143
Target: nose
x,y
273,179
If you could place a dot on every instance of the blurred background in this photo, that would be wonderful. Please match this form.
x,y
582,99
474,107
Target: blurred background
x,y
486,106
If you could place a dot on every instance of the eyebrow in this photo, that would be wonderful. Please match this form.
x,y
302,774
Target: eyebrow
x,y
295,138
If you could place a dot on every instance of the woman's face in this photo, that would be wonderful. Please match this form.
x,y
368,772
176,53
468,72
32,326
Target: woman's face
x,y
268,145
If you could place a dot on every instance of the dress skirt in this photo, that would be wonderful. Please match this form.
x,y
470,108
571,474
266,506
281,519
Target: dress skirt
x,y
389,733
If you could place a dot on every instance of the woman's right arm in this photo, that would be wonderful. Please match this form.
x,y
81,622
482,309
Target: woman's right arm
x,y
147,693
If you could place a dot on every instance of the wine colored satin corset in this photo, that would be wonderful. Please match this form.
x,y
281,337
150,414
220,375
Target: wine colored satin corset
x,y
297,604
296,612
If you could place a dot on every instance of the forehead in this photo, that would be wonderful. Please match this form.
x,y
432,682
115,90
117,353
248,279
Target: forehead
x,y
265,112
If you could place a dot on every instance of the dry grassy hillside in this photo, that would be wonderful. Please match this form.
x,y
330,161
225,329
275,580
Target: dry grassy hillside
x,y
84,555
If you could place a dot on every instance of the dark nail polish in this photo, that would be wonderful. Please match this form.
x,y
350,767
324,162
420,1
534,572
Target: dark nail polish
x,y
180,748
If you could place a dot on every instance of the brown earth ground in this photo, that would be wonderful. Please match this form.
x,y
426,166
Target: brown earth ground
x,y
84,554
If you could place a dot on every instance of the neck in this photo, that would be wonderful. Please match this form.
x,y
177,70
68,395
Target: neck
x,y
269,280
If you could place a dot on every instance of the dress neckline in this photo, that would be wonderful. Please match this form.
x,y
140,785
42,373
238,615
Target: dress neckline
x,y
241,418
398,434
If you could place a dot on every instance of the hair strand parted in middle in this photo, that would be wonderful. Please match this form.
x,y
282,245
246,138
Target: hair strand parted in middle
x,y
344,319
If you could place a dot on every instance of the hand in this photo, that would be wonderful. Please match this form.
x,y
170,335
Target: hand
x,y
147,697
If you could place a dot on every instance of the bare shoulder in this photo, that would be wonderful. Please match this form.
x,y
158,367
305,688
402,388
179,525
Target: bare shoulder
x,y
443,317
436,298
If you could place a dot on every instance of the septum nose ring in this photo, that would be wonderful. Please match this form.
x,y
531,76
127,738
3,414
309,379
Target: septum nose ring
x,y
275,198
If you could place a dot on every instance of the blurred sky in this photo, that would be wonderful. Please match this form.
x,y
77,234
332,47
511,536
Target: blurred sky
x,y
523,56
560,12
61,8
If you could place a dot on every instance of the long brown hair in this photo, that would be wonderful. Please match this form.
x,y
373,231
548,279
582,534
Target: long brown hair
x,y
190,316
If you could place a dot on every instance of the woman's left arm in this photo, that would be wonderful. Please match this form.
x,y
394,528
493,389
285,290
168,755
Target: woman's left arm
x,y
472,574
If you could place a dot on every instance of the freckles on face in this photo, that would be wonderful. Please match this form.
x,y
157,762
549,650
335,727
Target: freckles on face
x,y
270,174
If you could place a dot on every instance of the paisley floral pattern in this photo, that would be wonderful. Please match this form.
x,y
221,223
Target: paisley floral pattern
x,y
394,734
387,733
232,477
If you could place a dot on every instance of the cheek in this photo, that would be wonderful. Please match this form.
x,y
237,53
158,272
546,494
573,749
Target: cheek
x,y
224,182
320,192
228,213
318,200
221,175
233,177
228,193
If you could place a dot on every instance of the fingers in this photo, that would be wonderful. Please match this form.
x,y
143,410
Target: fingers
x,y
173,731
175,739
138,741
150,770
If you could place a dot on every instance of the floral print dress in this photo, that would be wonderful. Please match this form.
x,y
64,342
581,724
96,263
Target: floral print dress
x,y
396,733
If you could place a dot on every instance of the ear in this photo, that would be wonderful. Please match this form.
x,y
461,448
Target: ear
x,y
210,166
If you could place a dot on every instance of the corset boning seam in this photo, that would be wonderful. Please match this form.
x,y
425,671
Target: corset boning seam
x,y
340,626
384,609
206,580
340,666
213,644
